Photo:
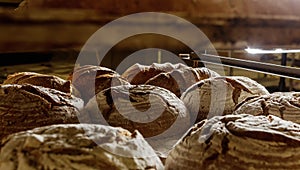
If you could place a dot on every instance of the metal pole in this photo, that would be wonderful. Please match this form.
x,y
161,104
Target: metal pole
x,y
282,86
272,69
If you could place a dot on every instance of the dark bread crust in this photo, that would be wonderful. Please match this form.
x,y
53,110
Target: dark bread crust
x,y
24,107
238,142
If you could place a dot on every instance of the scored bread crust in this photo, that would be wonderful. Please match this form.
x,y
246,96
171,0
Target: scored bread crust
x,y
285,105
80,146
140,74
103,77
219,95
25,107
49,81
178,80
151,110
238,142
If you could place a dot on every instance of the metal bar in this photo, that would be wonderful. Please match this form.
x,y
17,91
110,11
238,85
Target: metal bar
x,y
282,85
267,68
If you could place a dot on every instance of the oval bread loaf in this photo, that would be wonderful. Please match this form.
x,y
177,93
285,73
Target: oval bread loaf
x,y
219,95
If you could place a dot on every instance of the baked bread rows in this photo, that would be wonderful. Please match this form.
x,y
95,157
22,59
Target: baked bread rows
x,y
161,101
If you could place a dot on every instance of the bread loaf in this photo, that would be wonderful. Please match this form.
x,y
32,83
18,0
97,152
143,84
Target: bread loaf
x,y
285,105
77,147
49,81
178,80
25,107
103,77
238,142
151,110
140,74
157,113
219,95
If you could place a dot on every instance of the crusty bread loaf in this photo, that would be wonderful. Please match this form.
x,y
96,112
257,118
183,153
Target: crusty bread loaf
x,y
157,113
151,110
282,104
77,147
219,95
49,81
102,76
178,80
238,142
25,107
140,74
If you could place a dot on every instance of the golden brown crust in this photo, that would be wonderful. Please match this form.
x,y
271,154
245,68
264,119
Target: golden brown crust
x,y
103,77
140,74
49,81
178,80
167,81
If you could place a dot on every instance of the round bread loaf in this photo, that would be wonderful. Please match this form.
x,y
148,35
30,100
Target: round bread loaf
x,y
140,74
79,147
25,107
157,113
238,142
219,95
151,110
103,77
282,104
49,81
177,81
